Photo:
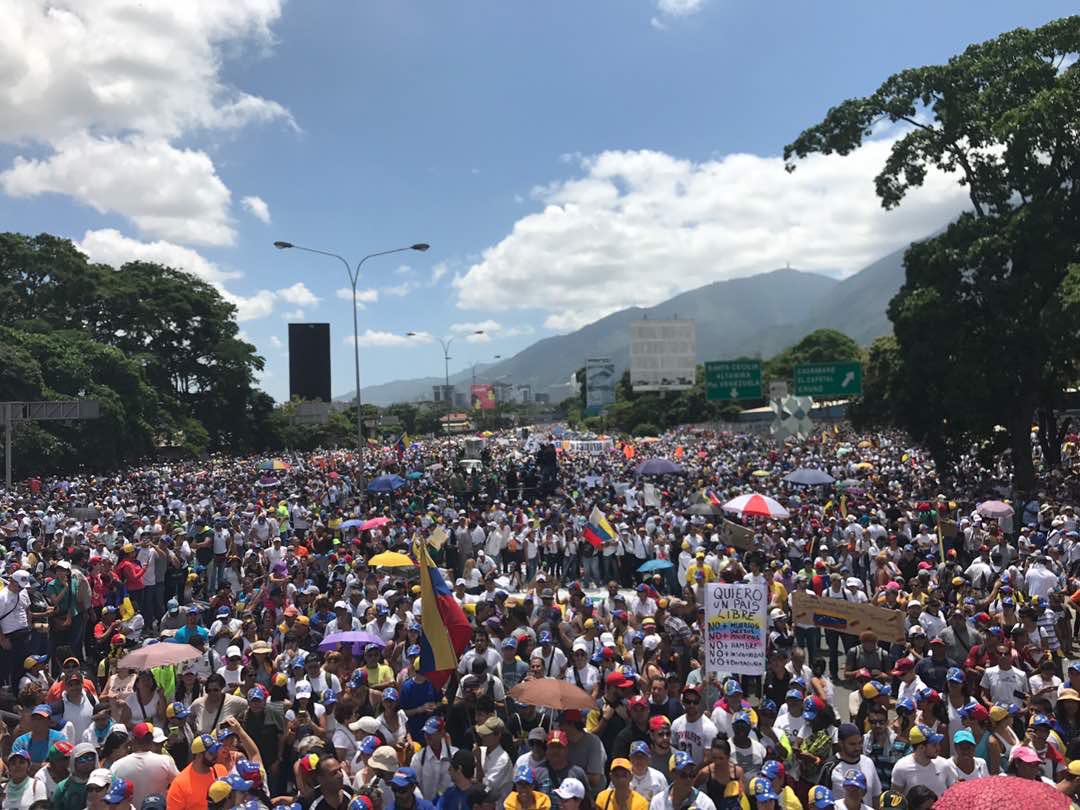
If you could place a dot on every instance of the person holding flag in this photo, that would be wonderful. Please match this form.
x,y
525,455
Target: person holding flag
x,y
444,629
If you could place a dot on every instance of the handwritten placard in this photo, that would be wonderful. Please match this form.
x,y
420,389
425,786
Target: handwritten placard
x,y
737,622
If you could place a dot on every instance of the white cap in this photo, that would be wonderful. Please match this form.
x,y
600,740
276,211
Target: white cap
x,y
339,605
233,652
21,578
570,788
159,735
303,689
581,644
63,564
368,725
460,581
607,639
651,642
100,777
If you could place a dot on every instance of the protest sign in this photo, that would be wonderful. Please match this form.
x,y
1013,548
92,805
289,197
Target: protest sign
x,y
732,534
438,538
652,497
737,623
848,617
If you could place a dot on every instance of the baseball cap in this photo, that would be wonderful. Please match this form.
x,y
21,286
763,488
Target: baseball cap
x,y
855,778
680,760
923,734
820,798
762,790
1025,753
120,791
658,722
570,788
811,707
955,675
557,738
975,711
640,748
523,773
493,725
140,730
404,778
620,762
205,743
100,777
177,710
892,800
61,749
32,661
903,666
41,710
773,769
963,735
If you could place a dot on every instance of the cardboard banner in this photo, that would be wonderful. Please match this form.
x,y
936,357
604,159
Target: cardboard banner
x,y
737,622
652,497
732,534
848,617
438,538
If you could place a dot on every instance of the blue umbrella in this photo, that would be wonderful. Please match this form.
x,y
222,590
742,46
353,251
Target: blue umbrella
x,y
349,524
414,475
654,565
386,483
658,466
809,476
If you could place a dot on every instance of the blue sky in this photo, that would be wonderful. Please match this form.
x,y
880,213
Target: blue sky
x,y
563,159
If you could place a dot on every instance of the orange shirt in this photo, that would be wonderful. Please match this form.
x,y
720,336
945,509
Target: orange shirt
x,y
189,789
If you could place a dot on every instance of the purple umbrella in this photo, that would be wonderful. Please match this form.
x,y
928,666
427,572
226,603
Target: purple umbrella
x,y
358,638
658,466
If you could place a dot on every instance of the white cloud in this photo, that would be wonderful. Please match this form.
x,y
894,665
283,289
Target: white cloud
x,y
293,315
402,270
636,228
107,87
298,295
438,271
257,207
401,290
373,338
679,8
276,342
363,297
111,247
167,192
491,329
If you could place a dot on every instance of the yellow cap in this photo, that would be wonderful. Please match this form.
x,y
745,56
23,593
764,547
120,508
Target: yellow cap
x,y
620,762
219,790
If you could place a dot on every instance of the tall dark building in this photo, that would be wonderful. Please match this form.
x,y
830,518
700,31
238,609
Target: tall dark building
x,y
309,361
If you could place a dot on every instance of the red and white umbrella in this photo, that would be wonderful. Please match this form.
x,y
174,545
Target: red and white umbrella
x,y
757,506
994,509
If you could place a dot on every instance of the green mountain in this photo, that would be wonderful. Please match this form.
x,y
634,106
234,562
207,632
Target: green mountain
x,y
758,315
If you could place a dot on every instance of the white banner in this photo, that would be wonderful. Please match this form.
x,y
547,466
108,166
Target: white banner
x,y
737,620
663,355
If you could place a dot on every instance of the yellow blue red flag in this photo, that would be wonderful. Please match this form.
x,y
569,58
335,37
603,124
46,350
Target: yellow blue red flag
x,y
444,629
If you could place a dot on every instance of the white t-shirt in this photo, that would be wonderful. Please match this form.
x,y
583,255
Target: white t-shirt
x,y
693,738
937,775
651,783
149,772
980,771
1002,684
662,801
750,758
80,715
866,765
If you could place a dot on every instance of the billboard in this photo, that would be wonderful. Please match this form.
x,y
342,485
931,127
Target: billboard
x,y
483,396
663,355
599,385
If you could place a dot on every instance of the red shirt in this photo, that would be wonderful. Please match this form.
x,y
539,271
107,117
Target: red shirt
x,y
131,573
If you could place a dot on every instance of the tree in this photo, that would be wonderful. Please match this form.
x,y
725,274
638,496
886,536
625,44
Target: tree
x,y
820,346
982,321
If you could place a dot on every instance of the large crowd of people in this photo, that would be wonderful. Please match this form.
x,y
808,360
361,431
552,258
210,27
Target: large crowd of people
x,y
255,562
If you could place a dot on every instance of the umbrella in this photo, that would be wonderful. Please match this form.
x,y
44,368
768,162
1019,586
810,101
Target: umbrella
x,y
269,481
757,506
761,473
158,655
391,559
809,476
702,509
274,464
415,474
552,693
994,509
654,565
992,792
374,523
358,638
334,474
865,444
864,465
658,466
386,483
350,524
848,483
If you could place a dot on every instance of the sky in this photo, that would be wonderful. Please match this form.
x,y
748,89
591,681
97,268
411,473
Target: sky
x,y
563,159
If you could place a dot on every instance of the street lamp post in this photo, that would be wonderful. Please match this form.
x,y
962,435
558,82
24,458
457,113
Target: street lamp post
x,y
445,343
354,277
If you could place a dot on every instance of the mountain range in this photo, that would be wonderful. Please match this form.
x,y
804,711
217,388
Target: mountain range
x,y
753,316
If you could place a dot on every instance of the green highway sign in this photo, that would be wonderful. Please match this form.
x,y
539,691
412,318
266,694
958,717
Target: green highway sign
x,y
732,380
828,380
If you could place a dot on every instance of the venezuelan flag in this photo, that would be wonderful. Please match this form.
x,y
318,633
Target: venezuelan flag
x,y
598,531
402,444
444,630
710,496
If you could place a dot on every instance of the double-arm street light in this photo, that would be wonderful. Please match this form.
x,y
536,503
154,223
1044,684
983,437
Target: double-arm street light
x,y
354,277
445,343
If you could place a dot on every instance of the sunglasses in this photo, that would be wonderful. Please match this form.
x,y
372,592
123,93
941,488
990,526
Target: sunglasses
x,y
691,702
94,788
